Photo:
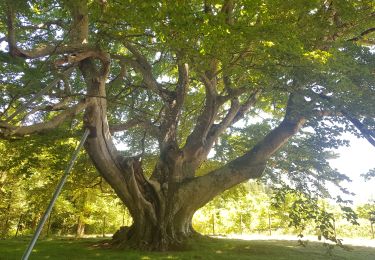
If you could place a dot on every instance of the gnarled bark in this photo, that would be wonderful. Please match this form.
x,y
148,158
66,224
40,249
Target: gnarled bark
x,y
162,207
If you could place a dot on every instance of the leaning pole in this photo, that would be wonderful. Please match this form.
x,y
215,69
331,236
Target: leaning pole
x,y
55,195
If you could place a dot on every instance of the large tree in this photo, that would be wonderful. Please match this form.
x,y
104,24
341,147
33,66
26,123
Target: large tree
x,y
170,78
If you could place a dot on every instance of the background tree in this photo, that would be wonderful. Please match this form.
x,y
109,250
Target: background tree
x,y
367,211
31,169
170,79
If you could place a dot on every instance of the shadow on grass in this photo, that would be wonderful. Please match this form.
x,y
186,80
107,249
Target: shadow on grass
x,y
202,248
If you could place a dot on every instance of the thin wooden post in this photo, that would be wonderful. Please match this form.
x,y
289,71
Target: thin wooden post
x,y
18,225
269,223
213,223
334,227
103,226
241,224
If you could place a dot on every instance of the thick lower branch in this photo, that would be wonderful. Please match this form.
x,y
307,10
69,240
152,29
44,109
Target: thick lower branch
x,y
7,129
250,165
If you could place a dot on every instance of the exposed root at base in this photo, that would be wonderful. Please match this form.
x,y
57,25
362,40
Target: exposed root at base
x,y
125,239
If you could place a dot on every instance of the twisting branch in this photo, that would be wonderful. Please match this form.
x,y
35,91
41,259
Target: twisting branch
x,y
40,51
45,25
362,36
366,133
217,129
171,113
143,66
149,81
12,42
247,105
151,128
205,120
235,113
76,57
120,77
182,83
227,9
43,51
62,105
232,93
8,130
43,91
206,132
143,140
125,126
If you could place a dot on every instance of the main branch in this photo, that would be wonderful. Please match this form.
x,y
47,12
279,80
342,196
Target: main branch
x,y
249,165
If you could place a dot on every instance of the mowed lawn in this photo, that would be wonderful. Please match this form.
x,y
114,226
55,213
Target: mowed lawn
x,y
202,248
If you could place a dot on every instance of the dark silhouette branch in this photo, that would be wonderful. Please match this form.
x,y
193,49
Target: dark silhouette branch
x,y
368,134
362,36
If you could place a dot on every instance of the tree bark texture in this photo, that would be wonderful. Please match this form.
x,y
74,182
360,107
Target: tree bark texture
x,y
80,232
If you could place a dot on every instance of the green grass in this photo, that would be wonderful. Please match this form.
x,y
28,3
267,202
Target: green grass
x,y
203,248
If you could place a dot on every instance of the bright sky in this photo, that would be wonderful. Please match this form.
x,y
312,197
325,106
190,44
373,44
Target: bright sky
x,y
355,160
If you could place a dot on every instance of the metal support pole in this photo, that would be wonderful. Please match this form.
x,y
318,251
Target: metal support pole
x,y
54,198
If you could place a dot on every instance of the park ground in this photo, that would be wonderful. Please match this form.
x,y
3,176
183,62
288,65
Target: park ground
x,y
200,248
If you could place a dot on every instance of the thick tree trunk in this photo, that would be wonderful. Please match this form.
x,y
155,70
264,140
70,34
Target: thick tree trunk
x,y
160,216
162,206
6,225
172,227
80,232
